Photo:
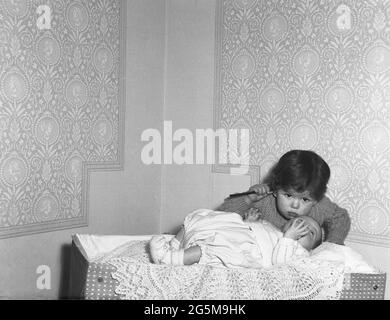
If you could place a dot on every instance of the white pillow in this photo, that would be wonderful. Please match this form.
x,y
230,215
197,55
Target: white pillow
x,y
354,262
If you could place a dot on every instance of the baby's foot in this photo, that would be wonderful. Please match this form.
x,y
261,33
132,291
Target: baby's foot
x,y
159,249
162,252
174,244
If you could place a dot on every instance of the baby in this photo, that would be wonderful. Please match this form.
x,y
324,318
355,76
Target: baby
x,y
223,239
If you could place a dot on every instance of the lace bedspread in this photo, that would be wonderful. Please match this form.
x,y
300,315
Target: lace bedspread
x,y
302,279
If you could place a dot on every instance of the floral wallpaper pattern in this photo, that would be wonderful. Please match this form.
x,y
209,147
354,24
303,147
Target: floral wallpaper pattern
x,y
313,74
60,108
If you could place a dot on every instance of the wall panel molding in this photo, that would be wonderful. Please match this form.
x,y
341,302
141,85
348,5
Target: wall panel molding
x,y
313,75
62,105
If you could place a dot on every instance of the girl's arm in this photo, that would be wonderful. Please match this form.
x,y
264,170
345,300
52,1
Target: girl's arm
x,y
239,205
336,220
242,204
337,226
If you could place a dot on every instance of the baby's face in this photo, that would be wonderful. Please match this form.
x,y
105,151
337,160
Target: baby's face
x,y
315,233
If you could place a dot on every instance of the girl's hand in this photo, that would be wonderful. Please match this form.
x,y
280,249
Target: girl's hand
x,y
261,191
252,215
297,230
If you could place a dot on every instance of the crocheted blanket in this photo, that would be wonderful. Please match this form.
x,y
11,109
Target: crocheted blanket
x,y
302,279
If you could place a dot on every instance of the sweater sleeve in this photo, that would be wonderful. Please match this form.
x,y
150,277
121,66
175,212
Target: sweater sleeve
x,y
337,226
238,205
287,249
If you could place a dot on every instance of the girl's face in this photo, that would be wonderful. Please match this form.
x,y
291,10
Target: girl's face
x,y
291,204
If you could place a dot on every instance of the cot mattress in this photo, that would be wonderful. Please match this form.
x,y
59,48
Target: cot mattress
x,y
91,279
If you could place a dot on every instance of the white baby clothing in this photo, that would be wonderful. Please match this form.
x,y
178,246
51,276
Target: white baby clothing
x,y
226,240
274,247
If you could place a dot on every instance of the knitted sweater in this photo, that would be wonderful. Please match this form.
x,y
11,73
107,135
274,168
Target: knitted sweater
x,y
334,220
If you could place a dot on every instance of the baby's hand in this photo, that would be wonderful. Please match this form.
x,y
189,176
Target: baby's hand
x,y
297,230
253,214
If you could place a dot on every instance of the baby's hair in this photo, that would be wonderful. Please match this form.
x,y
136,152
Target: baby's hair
x,y
320,238
300,170
318,242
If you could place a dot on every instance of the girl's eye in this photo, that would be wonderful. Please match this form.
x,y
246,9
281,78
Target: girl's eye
x,y
287,195
306,200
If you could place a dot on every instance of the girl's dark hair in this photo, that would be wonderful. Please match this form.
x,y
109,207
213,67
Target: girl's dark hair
x,y
300,170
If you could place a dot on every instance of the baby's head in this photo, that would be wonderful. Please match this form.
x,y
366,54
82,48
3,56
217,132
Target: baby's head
x,y
313,238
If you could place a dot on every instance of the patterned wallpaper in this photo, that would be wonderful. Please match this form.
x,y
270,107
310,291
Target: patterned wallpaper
x,y
60,108
313,74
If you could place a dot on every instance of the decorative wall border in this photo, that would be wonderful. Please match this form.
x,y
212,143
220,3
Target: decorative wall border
x,y
88,166
253,171
306,113
217,62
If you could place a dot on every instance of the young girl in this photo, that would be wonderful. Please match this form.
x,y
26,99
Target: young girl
x,y
219,238
295,187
